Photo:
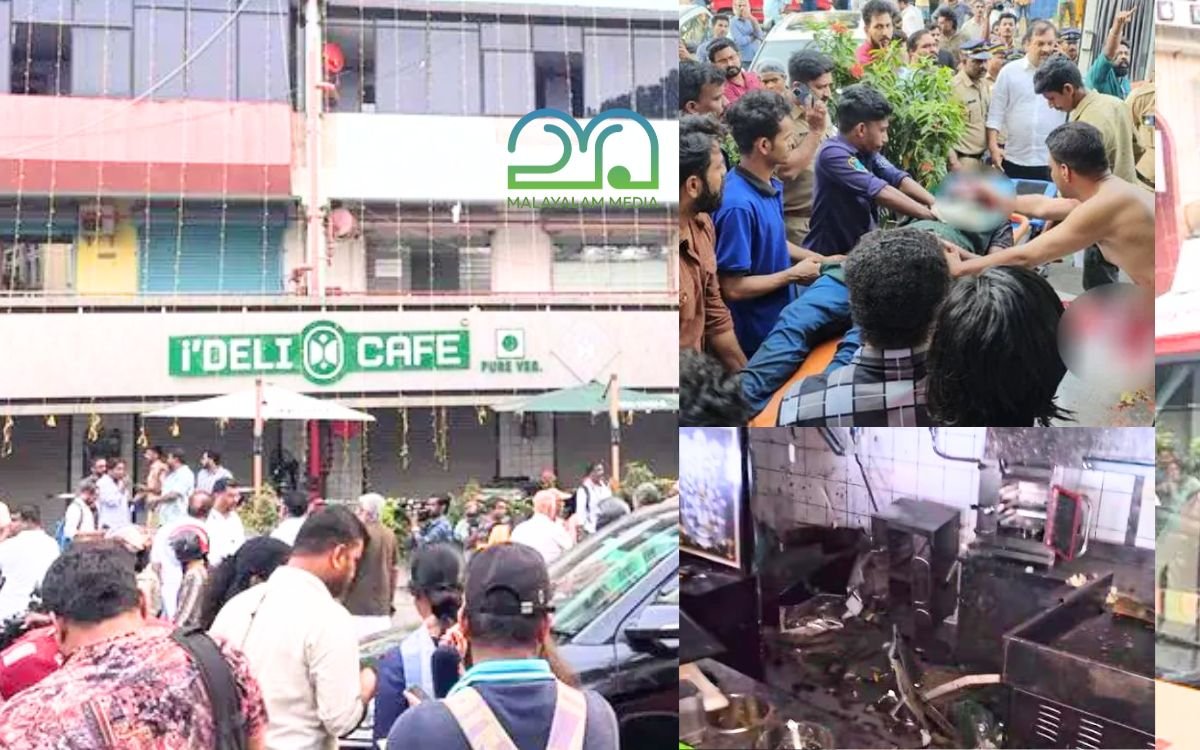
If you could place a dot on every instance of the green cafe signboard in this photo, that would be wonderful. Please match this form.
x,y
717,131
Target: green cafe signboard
x,y
324,352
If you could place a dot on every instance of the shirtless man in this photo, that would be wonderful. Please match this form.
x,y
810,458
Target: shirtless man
x,y
1096,208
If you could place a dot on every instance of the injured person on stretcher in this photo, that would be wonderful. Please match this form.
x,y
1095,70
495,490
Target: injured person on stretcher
x,y
897,288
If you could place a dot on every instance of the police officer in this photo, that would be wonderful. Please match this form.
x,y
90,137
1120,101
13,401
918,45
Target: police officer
x,y
1141,106
972,90
1068,44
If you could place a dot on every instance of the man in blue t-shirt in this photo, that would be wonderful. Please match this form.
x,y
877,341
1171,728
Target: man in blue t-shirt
x,y
510,690
852,180
757,265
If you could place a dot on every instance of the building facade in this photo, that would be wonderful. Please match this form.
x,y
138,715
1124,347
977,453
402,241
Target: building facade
x,y
155,228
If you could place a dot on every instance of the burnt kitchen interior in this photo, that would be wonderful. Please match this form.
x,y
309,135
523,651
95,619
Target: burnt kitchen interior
x,y
914,587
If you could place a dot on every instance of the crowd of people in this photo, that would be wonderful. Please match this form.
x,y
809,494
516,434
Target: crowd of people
x,y
796,230
186,631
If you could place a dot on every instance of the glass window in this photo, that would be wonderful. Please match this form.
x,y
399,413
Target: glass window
x,y
564,38
619,256
41,59
654,58
58,11
506,36
5,51
104,12
159,48
101,61
454,72
608,71
508,83
400,69
262,58
213,74
592,577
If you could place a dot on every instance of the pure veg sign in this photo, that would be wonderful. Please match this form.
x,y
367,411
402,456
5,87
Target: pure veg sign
x,y
323,353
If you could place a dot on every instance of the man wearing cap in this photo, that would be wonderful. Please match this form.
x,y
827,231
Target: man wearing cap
x,y
1068,44
972,90
509,692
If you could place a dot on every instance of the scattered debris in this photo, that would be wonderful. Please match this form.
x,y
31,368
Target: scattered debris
x,y
1077,580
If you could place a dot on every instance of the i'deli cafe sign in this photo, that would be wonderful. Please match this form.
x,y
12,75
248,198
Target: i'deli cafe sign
x,y
324,352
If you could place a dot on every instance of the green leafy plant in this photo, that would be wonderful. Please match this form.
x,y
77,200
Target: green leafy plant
x,y
927,120
260,512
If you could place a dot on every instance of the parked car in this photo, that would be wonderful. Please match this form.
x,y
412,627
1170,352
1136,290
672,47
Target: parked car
x,y
695,21
616,624
795,32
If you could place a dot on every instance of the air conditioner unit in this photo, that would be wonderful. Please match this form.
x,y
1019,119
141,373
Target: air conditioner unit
x,y
98,219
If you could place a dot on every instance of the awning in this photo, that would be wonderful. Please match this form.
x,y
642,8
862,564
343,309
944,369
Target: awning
x,y
590,398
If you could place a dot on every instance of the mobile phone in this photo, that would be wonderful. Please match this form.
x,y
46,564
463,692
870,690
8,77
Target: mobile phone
x,y
802,93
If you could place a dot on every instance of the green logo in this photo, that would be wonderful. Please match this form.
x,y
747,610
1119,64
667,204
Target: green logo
x,y
619,177
323,353
324,348
510,343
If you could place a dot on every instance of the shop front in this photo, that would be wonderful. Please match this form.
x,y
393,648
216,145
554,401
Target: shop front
x,y
429,377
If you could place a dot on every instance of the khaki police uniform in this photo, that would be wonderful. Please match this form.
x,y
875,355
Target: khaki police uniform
x,y
1141,106
1111,117
798,193
975,96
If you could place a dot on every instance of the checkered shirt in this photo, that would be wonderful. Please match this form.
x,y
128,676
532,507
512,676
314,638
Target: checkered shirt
x,y
879,388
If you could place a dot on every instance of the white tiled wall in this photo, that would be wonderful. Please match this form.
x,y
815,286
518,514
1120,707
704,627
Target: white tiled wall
x,y
799,480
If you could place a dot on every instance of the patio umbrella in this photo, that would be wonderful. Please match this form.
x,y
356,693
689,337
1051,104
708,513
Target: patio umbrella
x,y
593,398
277,403
262,403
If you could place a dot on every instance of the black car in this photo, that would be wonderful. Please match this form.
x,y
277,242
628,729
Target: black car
x,y
616,624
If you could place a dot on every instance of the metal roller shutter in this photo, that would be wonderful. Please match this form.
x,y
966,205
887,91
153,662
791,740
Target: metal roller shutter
x,y
199,256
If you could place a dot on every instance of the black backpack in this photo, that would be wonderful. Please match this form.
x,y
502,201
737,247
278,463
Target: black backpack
x,y
229,725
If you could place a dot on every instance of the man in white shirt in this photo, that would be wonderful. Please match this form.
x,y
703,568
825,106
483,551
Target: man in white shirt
x,y
295,505
177,487
1024,115
591,491
300,640
542,531
210,471
911,19
226,533
112,498
162,556
80,520
24,558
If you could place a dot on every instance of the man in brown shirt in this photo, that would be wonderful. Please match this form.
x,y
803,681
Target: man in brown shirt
x,y
370,596
704,320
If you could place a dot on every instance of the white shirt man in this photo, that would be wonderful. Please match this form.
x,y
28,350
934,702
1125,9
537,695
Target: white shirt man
x,y
79,518
541,531
287,529
1026,117
24,559
181,483
226,535
587,501
307,666
206,477
911,20
112,504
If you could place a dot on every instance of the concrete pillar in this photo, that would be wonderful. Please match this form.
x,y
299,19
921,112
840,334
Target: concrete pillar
x,y
345,474
522,259
124,423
